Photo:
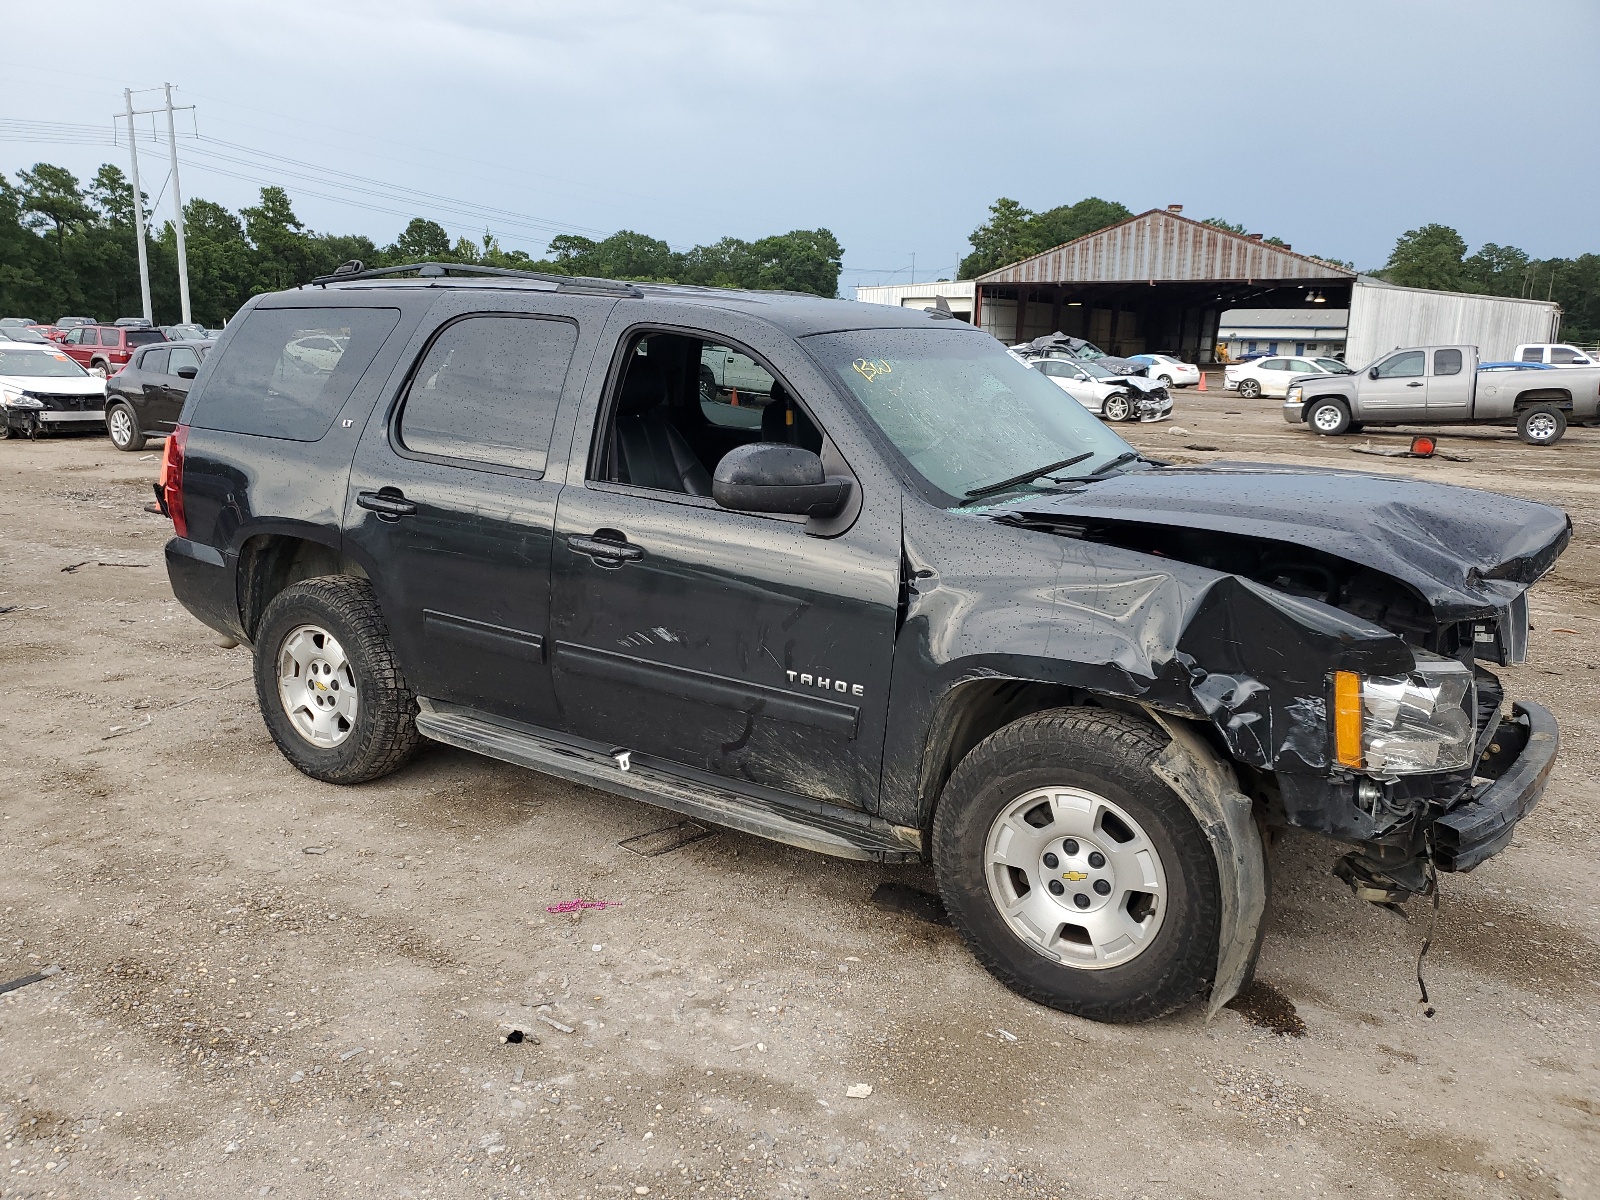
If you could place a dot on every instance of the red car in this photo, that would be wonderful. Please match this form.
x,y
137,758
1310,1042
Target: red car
x,y
106,349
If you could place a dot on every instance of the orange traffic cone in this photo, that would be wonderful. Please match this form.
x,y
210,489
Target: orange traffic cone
x,y
735,394
1202,379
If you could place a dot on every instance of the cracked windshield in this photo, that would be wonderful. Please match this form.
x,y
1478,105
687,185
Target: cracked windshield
x,y
963,412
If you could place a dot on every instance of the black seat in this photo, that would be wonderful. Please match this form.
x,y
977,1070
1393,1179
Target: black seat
x,y
650,452
782,420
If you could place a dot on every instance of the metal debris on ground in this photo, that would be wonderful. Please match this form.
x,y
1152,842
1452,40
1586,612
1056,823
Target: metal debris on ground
x,y
913,902
43,973
554,1024
349,1054
92,562
1369,448
572,906
664,841
315,850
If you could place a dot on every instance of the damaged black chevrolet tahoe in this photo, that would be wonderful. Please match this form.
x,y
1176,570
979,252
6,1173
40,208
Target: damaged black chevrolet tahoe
x,y
892,597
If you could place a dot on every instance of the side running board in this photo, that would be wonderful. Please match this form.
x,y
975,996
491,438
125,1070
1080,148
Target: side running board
x,y
808,824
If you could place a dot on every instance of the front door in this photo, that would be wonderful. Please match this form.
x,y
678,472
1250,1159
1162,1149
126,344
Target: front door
x,y
167,392
450,505
730,643
1449,384
1397,387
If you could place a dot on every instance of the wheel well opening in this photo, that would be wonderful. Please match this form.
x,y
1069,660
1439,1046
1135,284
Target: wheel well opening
x,y
971,713
272,562
1552,396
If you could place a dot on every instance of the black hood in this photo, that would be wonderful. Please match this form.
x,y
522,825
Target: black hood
x,y
1468,553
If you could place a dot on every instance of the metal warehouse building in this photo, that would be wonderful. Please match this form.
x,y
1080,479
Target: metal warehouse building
x,y
1160,281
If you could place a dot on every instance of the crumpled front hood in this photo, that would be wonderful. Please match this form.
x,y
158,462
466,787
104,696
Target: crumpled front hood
x,y
1469,553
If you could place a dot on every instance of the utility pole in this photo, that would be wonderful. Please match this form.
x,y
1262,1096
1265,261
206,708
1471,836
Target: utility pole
x,y
177,211
138,210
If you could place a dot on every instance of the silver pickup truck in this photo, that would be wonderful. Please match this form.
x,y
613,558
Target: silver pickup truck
x,y
1446,385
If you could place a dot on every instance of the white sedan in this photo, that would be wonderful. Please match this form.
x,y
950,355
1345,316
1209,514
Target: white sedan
x,y
41,388
1168,371
1271,376
1106,394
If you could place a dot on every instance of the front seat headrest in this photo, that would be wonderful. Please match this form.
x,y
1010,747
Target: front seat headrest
x,y
643,387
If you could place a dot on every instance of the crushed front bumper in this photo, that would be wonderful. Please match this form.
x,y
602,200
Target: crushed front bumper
x,y
1522,754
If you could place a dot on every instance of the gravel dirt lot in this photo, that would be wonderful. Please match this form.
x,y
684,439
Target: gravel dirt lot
x,y
275,987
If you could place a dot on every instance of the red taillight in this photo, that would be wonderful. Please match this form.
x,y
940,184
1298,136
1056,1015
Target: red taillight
x,y
170,480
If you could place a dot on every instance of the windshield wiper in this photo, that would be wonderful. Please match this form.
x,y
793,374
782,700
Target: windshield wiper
x,y
990,489
1099,473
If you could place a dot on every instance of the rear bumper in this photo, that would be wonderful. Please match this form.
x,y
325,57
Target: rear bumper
x,y
1485,819
202,580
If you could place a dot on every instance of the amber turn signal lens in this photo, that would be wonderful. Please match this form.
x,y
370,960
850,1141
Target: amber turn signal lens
x,y
1347,718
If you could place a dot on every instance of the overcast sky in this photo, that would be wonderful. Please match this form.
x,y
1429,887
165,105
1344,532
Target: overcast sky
x,y
1335,126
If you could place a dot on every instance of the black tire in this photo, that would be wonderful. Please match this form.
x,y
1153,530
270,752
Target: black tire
x,y
1355,427
383,736
708,386
100,367
1110,755
124,436
1541,425
1334,419
1119,407
1249,389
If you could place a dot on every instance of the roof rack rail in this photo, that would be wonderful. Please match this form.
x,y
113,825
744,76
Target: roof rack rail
x,y
356,269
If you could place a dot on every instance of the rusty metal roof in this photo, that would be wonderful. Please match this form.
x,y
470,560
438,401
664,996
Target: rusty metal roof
x,y
1161,246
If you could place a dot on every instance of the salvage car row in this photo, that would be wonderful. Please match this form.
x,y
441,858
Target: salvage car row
x,y
44,390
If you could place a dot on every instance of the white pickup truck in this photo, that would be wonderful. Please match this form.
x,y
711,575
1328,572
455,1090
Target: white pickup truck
x,y
1444,385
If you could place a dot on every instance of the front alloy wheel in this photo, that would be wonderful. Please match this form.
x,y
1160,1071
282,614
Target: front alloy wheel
x,y
1118,407
1076,877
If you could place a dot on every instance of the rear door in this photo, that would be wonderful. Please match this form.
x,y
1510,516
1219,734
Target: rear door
x,y
174,386
1397,387
453,496
1449,383
144,383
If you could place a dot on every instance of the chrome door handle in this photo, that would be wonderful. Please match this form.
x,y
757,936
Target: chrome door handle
x,y
389,504
605,551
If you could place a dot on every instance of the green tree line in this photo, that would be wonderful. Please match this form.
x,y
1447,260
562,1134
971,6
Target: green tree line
x,y
70,249
1434,256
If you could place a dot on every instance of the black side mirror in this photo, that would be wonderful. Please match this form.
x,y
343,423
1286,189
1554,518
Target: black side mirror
x,y
188,372
771,477
1372,374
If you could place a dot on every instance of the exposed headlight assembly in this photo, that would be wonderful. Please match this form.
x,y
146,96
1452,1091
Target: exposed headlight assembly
x,y
18,400
1414,724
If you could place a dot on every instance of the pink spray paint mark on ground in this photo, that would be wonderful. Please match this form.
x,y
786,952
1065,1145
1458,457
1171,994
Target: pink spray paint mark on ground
x,y
567,906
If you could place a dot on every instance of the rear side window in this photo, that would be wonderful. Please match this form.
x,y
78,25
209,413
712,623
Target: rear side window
x,y
154,360
1533,354
288,371
487,390
1447,362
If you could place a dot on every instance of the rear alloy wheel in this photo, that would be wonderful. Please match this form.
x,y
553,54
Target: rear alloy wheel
x,y
328,685
1119,407
1249,389
99,369
123,426
1164,380
1329,417
1541,425
1079,878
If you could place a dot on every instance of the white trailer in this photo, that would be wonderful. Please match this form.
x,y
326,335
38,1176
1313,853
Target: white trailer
x,y
1384,316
